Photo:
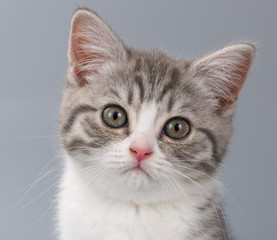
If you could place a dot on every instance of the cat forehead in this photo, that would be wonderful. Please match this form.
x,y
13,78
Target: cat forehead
x,y
146,77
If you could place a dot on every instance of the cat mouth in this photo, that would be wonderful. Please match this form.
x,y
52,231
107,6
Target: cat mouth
x,y
138,170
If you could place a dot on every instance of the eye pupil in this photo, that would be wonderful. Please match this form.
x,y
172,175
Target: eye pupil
x,y
177,128
114,116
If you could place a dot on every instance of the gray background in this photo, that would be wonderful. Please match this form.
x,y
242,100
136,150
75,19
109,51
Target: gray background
x,y
33,48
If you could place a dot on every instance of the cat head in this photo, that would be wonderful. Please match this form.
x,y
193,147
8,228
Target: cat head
x,y
140,125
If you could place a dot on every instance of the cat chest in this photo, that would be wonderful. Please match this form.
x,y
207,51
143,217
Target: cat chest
x,y
123,222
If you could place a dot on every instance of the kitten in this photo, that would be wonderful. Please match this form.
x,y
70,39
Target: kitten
x,y
144,135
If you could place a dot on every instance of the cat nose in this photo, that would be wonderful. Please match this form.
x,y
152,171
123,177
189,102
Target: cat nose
x,y
141,153
141,145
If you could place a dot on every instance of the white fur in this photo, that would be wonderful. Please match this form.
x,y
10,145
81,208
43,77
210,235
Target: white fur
x,y
115,201
107,194
86,214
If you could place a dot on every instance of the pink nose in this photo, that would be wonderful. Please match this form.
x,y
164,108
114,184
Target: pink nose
x,y
141,153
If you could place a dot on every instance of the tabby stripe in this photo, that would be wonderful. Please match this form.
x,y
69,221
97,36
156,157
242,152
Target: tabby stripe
x,y
130,95
170,103
175,75
137,67
115,93
172,84
77,111
212,139
74,144
138,81
91,128
151,75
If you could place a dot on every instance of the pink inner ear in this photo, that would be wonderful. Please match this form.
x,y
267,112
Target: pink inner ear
x,y
237,79
92,44
224,72
78,55
79,59
80,76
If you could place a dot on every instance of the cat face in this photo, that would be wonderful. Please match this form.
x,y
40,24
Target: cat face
x,y
142,126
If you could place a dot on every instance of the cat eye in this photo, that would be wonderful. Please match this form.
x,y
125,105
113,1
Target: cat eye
x,y
177,128
114,116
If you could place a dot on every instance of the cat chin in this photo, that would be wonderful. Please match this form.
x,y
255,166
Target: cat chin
x,y
137,196
134,185
137,186
145,196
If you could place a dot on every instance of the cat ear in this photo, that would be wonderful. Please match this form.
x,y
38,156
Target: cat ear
x,y
224,72
92,44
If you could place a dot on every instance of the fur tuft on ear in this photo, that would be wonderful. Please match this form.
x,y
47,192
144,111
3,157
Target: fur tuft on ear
x,y
92,44
224,72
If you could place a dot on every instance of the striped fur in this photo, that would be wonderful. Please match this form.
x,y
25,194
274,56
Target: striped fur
x,y
152,88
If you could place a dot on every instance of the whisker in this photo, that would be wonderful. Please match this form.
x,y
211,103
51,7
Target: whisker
x,y
216,206
37,137
97,175
40,177
41,216
37,197
225,189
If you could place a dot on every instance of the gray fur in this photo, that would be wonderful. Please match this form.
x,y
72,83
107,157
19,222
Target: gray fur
x,y
139,77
